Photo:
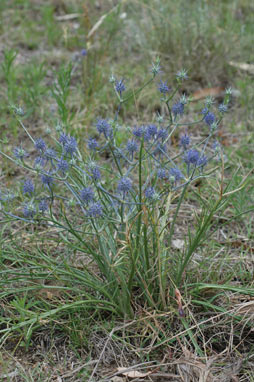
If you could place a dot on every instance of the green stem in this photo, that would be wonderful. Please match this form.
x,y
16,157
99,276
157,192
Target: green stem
x,y
134,255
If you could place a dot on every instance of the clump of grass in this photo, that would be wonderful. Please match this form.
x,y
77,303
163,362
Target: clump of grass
x,y
123,223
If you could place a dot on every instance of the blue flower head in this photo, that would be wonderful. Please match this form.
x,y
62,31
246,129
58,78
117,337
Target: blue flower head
x,y
47,180
124,184
49,154
151,130
163,87
63,138
43,206
87,194
149,193
138,131
62,166
95,173
223,108
178,108
216,146
162,173
83,52
103,127
40,145
191,157
185,141
70,147
28,187
95,210
131,146
202,161
29,210
209,117
119,86
92,144
39,162
175,173
19,153
162,134
7,197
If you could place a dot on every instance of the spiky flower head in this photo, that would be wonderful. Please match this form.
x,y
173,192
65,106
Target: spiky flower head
x,y
63,138
112,78
163,87
59,127
19,111
138,131
131,146
191,157
162,173
92,144
70,147
103,127
185,141
87,194
83,52
43,206
124,184
95,210
19,153
28,187
40,145
159,118
39,162
182,75
184,99
49,154
7,196
62,166
150,193
150,132
209,101
229,91
95,173
209,117
202,161
29,210
47,180
162,134
178,108
175,174
119,86
156,68
216,146
223,108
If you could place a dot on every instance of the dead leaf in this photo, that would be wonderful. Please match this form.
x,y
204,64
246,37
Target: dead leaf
x,y
178,243
208,92
71,16
132,373
116,378
179,302
243,66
